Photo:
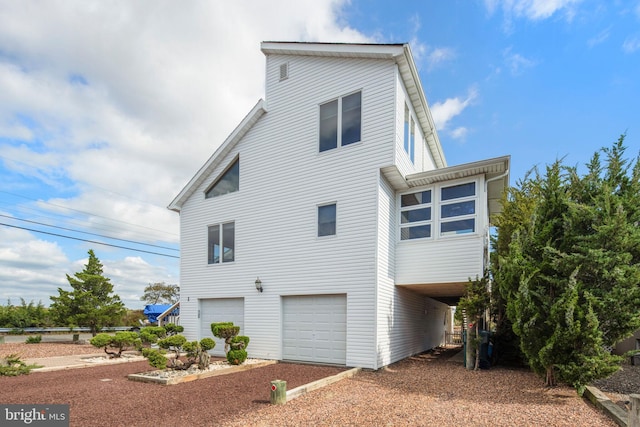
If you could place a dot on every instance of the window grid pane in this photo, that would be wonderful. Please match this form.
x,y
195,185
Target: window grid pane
x,y
458,191
327,220
413,199
351,117
458,209
462,226
329,125
214,245
416,232
228,242
415,215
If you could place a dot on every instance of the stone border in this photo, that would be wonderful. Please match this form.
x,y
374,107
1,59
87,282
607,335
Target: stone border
x,y
304,389
602,402
192,377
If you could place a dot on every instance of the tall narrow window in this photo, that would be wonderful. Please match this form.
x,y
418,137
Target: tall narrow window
x,y
351,116
329,125
327,220
341,122
228,182
409,134
406,128
221,243
412,142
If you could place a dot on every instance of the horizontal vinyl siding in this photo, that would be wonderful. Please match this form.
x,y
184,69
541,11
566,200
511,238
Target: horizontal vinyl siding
x,y
441,261
386,270
283,179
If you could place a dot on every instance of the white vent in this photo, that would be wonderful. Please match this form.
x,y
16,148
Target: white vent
x,y
284,71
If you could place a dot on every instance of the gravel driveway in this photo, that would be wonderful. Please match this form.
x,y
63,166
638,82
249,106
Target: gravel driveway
x,y
419,391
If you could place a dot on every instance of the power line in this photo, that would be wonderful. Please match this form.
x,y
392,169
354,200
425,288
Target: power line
x,y
86,232
89,241
83,212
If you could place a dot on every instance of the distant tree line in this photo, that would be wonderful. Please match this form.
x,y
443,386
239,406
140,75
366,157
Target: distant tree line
x,y
90,303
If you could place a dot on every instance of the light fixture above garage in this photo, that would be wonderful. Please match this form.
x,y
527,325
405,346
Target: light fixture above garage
x,y
259,284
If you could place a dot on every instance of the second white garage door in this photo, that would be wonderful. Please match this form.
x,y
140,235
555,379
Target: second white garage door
x,y
314,328
220,310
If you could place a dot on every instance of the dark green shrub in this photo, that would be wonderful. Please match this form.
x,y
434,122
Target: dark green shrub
x,y
197,352
114,345
171,329
238,353
225,331
34,339
11,366
155,357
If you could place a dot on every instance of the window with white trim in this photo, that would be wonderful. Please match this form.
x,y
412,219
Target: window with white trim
x,y
327,220
340,122
221,243
409,134
458,209
440,211
415,215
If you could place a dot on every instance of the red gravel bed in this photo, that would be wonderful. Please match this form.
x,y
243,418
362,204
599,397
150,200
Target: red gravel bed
x,y
103,396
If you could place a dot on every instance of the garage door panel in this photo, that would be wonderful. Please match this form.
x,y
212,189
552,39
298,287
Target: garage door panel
x,y
314,328
220,310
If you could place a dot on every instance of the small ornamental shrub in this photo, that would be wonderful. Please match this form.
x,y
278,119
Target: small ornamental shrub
x,y
151,334
197,352
225,331
11,366
114,345
237,354
156,358
171,329
34,339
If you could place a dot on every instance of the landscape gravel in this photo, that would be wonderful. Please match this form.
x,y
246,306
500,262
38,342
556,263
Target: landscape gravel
x,y
422,390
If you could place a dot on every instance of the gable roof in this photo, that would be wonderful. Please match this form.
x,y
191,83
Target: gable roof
x,y
247,123
400,53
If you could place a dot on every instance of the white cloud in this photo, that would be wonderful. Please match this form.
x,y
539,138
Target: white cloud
x,y
444,112
516,62
438,56
599,38
631,44
534,10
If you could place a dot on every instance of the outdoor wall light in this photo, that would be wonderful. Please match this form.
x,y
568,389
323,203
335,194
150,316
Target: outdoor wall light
x,y
259,284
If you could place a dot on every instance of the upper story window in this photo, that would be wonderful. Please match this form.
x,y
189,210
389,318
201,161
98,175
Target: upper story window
x,y
327,220
415,215
458,209
228,182
341,122
221,243
453,211
409,134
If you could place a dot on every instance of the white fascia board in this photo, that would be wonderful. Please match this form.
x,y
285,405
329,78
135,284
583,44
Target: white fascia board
x,y
411,79
347,50
490,167
247,123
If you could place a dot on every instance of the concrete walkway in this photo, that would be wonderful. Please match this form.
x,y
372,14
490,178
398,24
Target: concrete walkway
x,y
78,361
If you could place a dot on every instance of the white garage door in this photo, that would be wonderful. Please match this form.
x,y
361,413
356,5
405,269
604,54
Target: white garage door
x,y
315,328
220,310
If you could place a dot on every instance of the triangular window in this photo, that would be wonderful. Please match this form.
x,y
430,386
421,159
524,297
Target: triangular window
x,y
227,183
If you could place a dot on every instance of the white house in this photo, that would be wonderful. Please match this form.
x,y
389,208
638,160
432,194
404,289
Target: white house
x,y
333,194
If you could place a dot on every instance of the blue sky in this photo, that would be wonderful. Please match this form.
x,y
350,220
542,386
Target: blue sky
x,y
108,109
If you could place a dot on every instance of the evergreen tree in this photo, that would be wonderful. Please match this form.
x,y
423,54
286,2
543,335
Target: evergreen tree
x,y
91,303
568,266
